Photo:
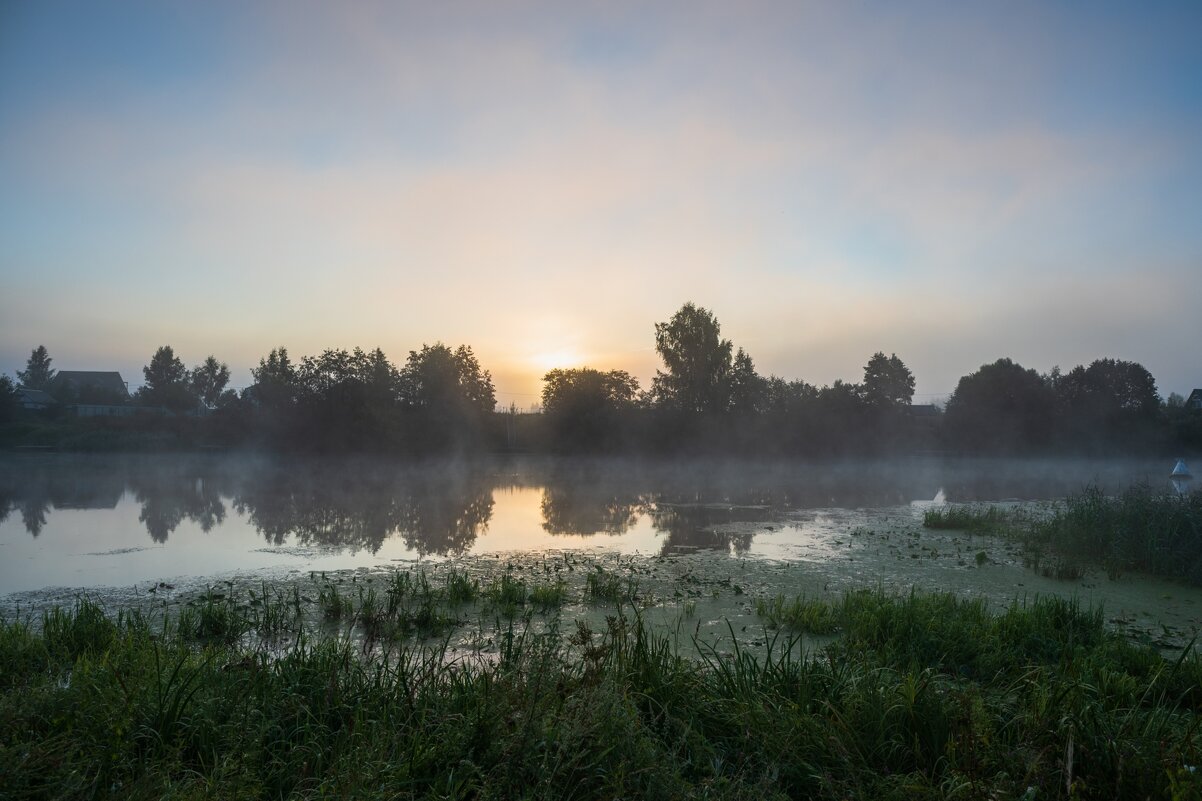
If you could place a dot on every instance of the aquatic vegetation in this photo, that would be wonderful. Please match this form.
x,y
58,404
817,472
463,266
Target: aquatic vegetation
x,y
215,618
800,614
460,588
507,594
602,586
1139,530
334,605
967,518
549,596
275,613
921,696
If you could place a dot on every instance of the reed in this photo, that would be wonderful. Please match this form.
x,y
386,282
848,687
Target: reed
x,y
1139,530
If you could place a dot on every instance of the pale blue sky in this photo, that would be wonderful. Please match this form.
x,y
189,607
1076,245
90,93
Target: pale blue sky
x,y
952,182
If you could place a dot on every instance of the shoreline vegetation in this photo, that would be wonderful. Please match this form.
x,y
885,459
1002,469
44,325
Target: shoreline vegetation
x,y
708,398
919,695
1139,530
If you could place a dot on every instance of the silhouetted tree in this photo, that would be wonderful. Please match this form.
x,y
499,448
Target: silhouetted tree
x,y
449,396
37,373
566,389
348,400
1109,405
788,412
1001,407
380,378
168,383
1110,387
583,406
838,413
787,397
698,362
229,399
275,384
209,380
887,382
748,390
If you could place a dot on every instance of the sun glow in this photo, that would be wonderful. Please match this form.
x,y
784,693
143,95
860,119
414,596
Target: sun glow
x,y
559,357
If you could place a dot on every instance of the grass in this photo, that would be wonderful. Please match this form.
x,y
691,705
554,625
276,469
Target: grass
x,y
1140,530
921,696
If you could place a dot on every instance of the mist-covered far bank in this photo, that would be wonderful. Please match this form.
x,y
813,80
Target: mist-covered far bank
x,y
708,399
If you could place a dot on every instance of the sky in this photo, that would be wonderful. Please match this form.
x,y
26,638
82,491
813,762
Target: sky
x,y
950,182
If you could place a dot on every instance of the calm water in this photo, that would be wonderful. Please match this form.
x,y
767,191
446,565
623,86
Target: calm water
x,y
110,521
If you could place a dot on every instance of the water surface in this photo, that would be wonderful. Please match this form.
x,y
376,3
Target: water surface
x,y
113,521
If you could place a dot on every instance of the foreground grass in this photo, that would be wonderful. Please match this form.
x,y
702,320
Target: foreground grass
x,y
1141,530
924,696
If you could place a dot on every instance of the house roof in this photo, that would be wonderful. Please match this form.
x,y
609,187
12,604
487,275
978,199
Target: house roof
x,y
1194,399
109,382
924,410
35,396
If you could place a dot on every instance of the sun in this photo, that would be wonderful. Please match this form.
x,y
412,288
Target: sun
x,y
558,357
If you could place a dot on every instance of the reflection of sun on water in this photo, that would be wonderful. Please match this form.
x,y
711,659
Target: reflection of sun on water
x,y
517,525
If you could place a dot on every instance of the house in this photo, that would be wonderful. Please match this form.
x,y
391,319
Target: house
x,y
1194,401
34,399
927,411
93,393
92,385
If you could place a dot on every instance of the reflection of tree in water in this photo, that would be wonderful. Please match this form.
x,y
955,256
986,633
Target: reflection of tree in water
x,y
445,517
585,510
170,496
320,509
33,513
359,509
36,487
707,527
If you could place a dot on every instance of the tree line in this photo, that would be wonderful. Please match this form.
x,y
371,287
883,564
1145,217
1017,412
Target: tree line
x,y
707,397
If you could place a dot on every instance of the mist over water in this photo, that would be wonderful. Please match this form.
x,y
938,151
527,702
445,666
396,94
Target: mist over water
x,y
111,520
